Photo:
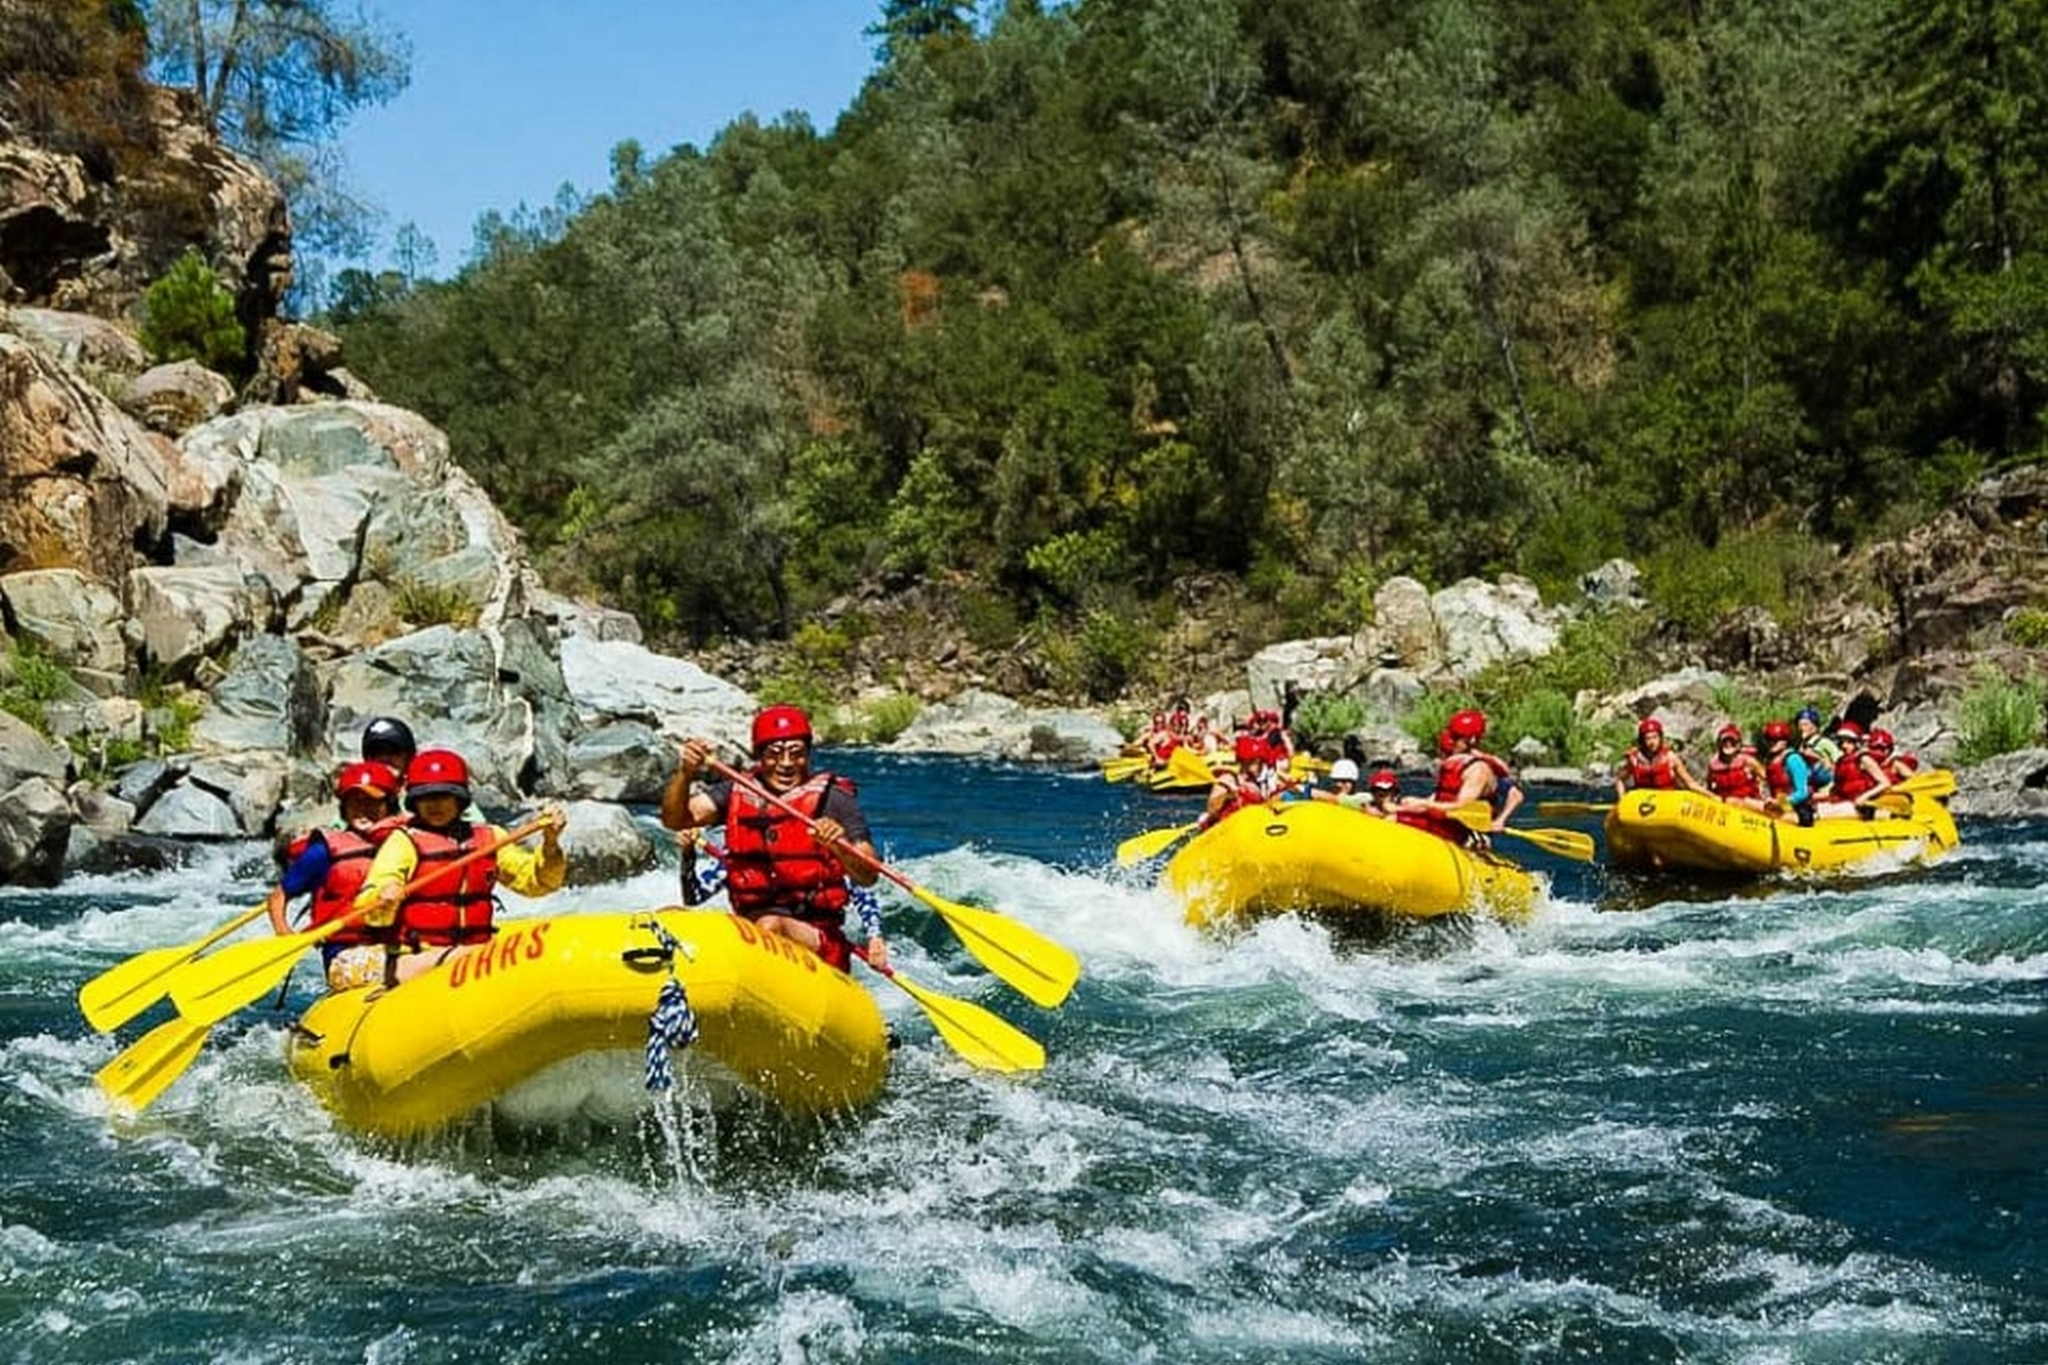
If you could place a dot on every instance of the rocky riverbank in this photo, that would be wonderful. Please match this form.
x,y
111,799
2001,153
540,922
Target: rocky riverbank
x,y
206,592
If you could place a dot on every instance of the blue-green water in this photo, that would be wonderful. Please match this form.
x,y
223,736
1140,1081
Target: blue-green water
x,y
1655,1124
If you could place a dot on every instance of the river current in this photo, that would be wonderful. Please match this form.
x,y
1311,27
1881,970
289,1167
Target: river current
x,y
1659,1122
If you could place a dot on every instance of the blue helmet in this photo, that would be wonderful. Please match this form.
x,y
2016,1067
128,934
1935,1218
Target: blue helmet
x,y
1808,713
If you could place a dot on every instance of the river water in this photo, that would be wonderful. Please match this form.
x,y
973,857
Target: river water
x,y
1657,1123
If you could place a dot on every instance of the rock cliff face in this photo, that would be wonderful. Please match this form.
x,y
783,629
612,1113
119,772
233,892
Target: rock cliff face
x,y
76,237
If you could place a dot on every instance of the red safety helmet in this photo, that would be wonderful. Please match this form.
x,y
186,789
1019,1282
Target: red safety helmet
x,y
1775,730
1468,725
436,772
1849,730
1251,749
1881,741
372,779
1733,732
1384,780
1649,725
779,723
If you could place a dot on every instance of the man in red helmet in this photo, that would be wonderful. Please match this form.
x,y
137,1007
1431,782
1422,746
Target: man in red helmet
x,y
331,864
451,914
1469,773
786,869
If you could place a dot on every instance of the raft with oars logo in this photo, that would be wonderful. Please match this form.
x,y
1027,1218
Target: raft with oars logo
x,y
554,1018
1684,831
1314,856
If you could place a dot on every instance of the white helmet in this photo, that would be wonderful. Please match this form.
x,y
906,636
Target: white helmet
x,y
1343,770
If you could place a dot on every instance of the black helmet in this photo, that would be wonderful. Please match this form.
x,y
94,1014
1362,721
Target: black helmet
x,y
388,737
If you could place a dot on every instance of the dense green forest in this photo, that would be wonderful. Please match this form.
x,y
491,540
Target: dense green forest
x,y
1077,300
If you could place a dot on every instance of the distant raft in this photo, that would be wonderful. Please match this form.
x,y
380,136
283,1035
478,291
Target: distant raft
x,y
1321,858
1684,831
552,1023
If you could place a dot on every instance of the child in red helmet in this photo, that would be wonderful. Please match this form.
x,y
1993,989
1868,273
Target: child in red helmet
x,y
429,924
331,865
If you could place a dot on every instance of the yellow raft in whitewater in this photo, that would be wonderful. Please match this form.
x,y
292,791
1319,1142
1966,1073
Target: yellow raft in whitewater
x,y
1684,831
551,1024
1320,857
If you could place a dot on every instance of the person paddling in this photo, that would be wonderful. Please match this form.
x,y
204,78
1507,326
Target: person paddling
x,y
454,913
787,870
1653,765
332,864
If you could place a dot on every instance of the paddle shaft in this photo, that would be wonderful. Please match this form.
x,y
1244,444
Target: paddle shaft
x,y
1035,966
221,993
740,779
426,879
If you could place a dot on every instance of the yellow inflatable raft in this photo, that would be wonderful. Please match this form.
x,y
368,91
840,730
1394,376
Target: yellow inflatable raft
x,y
1321,857
552,1024
1684,831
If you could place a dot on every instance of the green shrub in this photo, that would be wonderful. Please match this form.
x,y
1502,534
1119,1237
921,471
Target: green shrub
x,y
1432,713
1325,717
990,619
1997,715
31,681
884,718
1695,587
1098,657
1601,651
170,712
1548,717
425,604
2028,627
189,315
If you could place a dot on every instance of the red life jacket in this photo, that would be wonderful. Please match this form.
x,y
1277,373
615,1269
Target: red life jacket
x,y
1437,823
455,907
1659,772
348,866
1901,767
1163,747
1733,777
1450,776
1851,781
1778,775
772,862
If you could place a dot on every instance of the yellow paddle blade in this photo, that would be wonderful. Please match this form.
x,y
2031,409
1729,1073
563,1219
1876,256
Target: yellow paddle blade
x,y
980,1037
148,1066
1895,803
1565,843
1188,766
1474,815
1151,843
1040,970
1936,783
1122,769
1307,765
1574,807
127,988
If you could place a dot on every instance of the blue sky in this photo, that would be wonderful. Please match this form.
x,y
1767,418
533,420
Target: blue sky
x,y
511,99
